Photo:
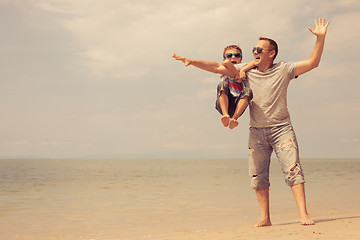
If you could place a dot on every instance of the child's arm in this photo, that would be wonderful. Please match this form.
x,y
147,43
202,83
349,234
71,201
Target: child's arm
x,y
227,63
209,66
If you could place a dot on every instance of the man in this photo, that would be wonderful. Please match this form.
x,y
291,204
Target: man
x,y
270,125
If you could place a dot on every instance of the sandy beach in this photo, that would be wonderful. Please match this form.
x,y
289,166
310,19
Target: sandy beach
x,y
325,228
163,199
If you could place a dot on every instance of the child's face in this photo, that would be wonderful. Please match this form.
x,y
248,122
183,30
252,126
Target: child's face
x,y
233,59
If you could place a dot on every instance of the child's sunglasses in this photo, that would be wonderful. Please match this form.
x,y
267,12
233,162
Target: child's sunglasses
x,y
230,55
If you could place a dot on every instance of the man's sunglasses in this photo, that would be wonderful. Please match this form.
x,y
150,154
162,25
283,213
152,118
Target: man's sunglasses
x,y
259,49
230,55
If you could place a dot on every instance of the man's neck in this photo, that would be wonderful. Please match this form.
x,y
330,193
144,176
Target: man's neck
x,y
263,68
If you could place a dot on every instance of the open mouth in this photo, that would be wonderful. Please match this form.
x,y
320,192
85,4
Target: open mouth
x,y
233,62
257,60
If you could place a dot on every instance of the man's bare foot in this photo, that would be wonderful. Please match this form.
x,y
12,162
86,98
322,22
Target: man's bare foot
x,y
225,120
233,123
305,221
263,223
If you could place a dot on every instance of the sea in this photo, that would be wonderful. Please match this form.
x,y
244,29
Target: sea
x,y
133,199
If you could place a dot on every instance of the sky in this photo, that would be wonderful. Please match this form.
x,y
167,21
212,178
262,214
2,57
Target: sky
x,y
95,79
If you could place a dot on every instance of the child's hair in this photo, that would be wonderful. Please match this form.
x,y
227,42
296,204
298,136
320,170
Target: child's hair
x,y
231,47
272,43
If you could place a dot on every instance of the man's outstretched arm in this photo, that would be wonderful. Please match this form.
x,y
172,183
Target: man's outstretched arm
x,y
239,75
209,66
314,59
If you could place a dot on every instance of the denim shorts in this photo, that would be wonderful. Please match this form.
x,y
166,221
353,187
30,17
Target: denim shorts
x,y
233,101
282,140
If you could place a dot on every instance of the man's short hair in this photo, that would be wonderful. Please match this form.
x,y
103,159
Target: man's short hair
x,y
231,47
273,44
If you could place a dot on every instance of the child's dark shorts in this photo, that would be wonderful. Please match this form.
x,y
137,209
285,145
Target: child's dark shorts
x,y
233,101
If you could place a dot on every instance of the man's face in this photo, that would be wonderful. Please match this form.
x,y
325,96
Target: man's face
x,y
262,52
233,55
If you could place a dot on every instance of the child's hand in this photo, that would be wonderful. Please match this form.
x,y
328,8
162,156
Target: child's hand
x,y
187,61
226,62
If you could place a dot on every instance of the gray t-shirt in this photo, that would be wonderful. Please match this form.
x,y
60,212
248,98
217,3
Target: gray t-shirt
x,y
268,107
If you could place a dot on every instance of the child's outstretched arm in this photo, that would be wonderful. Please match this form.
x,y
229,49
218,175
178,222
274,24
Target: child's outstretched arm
x,y
209,66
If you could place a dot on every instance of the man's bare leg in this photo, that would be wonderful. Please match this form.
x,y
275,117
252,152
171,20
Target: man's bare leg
x,y
263,199
240,108
299,195
224,105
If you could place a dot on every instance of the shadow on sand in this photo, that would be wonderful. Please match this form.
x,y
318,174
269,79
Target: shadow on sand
x,y
320,220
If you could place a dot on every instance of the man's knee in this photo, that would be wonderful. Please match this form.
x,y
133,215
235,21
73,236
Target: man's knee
x,y
259,181
294,175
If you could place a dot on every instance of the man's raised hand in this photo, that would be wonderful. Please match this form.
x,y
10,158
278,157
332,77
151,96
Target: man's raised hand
x,y
320,27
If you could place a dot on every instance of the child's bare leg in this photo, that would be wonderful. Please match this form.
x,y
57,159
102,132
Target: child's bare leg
x,y
240,108
224,105
225,120
233,123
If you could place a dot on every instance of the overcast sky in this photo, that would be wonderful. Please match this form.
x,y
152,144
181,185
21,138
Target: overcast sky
x,y
95,78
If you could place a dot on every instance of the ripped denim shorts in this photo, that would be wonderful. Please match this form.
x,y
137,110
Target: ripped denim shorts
x,y
282,140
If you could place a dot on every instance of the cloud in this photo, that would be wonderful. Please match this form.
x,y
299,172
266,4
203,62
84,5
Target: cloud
x,y
121,39
127,39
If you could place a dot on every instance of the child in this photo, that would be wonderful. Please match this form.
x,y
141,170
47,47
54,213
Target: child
x,y
232,96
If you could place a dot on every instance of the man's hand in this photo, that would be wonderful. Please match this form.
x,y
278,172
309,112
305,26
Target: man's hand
x,y
242,75
320,28
186,61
